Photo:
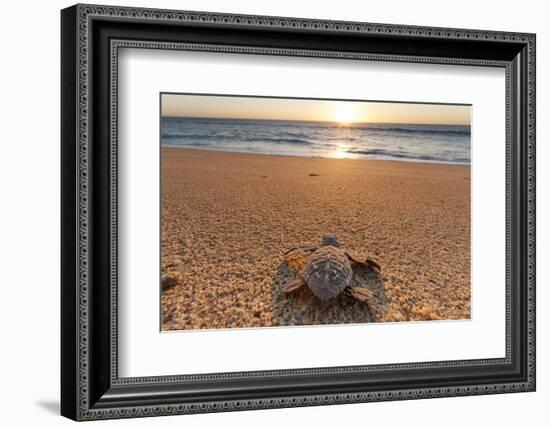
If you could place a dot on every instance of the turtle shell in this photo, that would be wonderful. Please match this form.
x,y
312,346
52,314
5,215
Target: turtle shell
x,y
328,272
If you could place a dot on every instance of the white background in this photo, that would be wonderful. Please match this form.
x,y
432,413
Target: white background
x,y
193,352
29,225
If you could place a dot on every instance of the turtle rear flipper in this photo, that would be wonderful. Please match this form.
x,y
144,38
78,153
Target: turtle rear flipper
x,y
361,294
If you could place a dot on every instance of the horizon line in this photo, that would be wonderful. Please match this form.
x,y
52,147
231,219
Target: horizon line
x,y
316,121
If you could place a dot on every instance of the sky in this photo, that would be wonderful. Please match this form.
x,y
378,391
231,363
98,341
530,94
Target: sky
x,y
211,106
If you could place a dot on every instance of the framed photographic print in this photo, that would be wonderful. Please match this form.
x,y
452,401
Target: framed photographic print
x,y
263,212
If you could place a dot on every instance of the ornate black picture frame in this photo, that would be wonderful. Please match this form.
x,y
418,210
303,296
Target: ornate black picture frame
x,y
91,36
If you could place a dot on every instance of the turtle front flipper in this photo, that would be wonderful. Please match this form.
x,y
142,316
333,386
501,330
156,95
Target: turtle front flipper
x,y
292,285
360,293
373,264
369,264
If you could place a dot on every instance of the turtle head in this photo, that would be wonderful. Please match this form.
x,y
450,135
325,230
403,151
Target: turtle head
x,y
330,240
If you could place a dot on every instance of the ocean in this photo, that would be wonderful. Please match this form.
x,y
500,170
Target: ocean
x,y
406,142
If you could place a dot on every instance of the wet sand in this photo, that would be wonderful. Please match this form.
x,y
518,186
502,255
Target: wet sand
x,y
228,219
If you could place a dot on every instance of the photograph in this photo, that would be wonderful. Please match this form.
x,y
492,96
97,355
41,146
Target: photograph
x,y
283,212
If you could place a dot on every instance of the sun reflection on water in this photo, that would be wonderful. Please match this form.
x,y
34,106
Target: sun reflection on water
x,y
341,151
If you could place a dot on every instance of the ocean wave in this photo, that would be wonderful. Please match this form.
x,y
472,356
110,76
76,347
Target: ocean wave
x,y
418,130
401,155
215,139
185,136
278,140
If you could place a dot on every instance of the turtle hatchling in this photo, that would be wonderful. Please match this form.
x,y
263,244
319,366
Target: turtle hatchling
x,y
328,272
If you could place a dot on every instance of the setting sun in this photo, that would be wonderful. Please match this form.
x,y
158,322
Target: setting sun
x,y
345,113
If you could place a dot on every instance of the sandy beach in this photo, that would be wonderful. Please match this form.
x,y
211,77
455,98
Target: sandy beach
x,y
228,219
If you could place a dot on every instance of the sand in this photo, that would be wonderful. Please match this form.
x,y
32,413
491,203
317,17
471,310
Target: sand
x,y
228,219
